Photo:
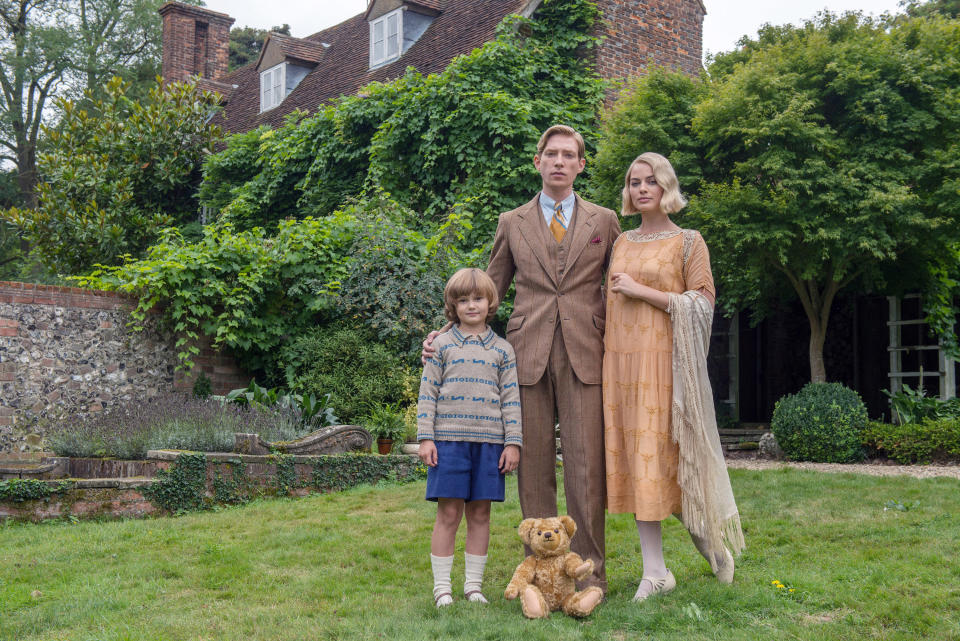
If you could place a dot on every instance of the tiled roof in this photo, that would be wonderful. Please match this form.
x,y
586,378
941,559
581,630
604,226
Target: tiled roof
x,y
299,48
462,26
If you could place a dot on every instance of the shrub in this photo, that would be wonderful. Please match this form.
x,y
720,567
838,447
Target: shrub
x,y
823,422
911,405
118,172
351,365
394,282
176,422
915,442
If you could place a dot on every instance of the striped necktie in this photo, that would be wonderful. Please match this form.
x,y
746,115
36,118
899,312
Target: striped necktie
x,y
557,227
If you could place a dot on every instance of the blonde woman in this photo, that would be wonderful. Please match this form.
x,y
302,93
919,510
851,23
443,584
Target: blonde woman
x,y
663,453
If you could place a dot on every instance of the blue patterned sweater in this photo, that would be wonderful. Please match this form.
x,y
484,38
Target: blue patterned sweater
x,y
469,391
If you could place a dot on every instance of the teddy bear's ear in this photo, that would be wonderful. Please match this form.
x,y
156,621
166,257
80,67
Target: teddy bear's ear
x,y
568,524
526,526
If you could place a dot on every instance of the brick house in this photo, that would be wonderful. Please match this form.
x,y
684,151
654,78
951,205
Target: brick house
x,y
391,35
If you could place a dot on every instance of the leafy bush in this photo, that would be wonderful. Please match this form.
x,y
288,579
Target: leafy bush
x,y
823,422
169,422
919,442
251,292
913,405
394,281
351,365
245,290
314,414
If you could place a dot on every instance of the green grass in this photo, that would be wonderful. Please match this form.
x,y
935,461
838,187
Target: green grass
x,y
355,565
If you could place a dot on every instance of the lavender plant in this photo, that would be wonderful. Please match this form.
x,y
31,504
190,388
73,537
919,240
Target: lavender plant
x,y
173,421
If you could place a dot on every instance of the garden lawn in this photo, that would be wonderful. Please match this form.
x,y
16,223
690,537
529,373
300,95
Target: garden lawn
x,y
355,565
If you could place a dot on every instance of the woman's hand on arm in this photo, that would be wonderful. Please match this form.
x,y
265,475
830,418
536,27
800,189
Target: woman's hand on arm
x,y
622,283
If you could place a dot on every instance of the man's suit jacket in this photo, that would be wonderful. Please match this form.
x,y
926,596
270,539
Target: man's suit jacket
x,y
575,299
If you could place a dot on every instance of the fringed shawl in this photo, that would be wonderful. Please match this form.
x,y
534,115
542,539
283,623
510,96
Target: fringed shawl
x,y
709,510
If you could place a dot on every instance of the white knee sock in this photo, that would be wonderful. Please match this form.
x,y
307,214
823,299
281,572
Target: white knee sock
x,y
442,565
473,576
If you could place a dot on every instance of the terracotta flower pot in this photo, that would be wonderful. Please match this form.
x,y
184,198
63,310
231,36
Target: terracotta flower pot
x,y
384,445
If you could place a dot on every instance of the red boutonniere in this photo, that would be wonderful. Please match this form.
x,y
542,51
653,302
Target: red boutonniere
x,y
596,241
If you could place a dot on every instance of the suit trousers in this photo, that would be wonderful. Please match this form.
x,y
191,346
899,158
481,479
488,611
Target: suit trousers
x,y
579,410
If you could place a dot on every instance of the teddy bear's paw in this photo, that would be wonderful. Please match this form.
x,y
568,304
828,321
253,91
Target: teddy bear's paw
x,y
581,604
584,569
533,604
511,593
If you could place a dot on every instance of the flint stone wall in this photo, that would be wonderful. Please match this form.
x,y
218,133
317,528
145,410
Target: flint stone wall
x,y
66,350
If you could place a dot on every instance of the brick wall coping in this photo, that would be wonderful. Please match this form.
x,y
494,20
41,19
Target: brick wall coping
x,y
230,457
36,294
9,284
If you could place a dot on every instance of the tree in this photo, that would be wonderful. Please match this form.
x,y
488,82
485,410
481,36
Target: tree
x,y
118,172
833,154
33,59
115,38
63,48
919,8
655,114
246,43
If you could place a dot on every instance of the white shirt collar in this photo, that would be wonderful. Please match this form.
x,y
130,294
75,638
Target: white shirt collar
x,y
547,204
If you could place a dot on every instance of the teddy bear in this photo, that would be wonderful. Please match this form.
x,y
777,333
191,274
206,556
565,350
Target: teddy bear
x,y
545,581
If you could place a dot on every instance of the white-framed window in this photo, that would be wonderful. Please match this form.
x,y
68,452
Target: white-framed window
x,y
386,37
273,83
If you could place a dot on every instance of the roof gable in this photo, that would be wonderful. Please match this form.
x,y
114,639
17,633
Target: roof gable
x,y
282,48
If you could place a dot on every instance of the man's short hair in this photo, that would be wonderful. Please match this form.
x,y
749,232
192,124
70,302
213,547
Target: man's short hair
x,y
465,282
562,130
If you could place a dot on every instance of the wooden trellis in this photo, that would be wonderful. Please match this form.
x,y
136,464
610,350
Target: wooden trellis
x,y
945,371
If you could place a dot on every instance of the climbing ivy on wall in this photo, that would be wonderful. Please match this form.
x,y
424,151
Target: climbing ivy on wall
x,y
467,133
20,490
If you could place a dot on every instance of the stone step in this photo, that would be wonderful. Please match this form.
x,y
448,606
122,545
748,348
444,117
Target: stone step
x,y
49,468
741,431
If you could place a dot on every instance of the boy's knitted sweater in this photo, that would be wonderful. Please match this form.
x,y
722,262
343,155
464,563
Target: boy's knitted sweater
x,y
469,391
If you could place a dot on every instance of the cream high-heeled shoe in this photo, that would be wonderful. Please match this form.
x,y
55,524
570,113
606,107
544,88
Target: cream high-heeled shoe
x,y
660,585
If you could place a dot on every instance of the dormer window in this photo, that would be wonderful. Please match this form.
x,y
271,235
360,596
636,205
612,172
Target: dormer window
x,y
273,84
386,37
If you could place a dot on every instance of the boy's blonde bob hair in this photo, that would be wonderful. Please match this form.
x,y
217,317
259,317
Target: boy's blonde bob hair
x,y
672,200
465,282
562,130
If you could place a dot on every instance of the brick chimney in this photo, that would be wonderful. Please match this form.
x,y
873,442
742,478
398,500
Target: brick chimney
x,y
668,33
196,41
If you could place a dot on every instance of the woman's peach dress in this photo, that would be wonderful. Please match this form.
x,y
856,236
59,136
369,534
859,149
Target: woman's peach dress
x,y
641,457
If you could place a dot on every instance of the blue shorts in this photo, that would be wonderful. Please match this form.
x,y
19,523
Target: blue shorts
x,y
465,470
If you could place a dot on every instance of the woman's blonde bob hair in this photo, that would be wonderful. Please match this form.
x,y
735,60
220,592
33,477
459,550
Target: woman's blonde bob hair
x,y
465,282
672,201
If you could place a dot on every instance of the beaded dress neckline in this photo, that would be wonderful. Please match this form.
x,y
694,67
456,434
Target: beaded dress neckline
x,y
635,236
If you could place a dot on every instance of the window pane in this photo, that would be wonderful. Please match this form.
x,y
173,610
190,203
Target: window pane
x,y
393,35
264,91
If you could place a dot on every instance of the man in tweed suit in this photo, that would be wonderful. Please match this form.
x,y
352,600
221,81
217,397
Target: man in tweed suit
x,y
557,248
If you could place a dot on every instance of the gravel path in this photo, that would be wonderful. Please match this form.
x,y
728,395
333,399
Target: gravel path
x,y
873,469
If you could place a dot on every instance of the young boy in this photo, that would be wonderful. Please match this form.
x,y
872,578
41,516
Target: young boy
x,y
468,426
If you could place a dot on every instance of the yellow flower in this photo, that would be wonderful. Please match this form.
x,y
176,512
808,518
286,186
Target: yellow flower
x,y
774,582
791,589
